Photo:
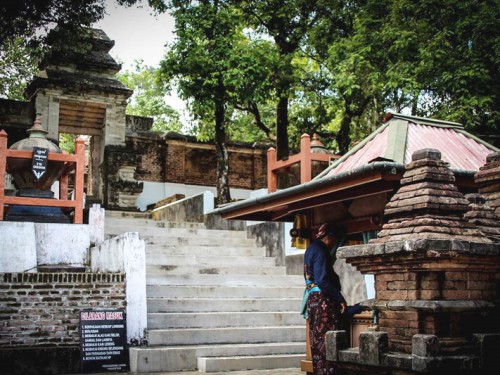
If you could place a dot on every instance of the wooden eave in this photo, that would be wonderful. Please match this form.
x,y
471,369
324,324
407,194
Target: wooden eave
x,y
282,205
369,180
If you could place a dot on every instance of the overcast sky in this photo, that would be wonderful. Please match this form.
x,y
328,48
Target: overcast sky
x,y
137,32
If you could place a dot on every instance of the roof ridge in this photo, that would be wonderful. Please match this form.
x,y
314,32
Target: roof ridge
x,y
422,120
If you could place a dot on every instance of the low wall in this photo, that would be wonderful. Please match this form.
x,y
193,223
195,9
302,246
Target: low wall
x,y
127,253
270,235
25,246
196,209
40,317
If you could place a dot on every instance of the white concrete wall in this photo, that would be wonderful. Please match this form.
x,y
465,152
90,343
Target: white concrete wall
x,y
126,253
97,216
26,245
155,191
17,247
62,244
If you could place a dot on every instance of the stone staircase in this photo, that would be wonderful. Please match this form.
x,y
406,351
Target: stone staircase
x,y
215,301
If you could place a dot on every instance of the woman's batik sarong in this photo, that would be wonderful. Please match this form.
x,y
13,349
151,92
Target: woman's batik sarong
x,y
323,317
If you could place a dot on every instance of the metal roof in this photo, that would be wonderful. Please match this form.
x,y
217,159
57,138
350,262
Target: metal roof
x,y
384,152
400,136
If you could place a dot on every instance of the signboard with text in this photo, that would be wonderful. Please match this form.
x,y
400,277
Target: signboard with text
x,y
39,162
103,341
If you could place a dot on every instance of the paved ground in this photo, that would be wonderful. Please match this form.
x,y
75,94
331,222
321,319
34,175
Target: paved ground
x,y
291,371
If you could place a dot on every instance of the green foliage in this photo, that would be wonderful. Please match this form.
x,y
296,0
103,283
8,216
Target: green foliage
x,y
26,19
442,58
287,23
149,99
18,64
67,142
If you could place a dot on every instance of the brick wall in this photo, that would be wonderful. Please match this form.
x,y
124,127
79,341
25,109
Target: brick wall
x,y
184,160
42,309
432,286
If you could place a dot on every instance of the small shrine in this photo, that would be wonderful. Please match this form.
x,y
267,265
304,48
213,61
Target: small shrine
x,y
36,164
435,262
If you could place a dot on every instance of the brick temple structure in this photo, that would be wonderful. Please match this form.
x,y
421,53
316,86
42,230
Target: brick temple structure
x,y
436,263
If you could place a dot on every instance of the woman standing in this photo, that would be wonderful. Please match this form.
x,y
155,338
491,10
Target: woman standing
x,y
325,303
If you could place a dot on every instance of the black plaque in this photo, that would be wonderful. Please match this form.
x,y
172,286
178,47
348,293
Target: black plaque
x,y
103,341
39,161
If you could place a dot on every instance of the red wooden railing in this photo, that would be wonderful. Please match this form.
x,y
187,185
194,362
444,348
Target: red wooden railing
x,y
71,162
304,159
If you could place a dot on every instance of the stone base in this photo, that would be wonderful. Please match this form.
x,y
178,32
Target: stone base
x,y
372,355
36,214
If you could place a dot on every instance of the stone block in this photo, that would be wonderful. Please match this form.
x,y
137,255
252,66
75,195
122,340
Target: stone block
x,y
446,364
425,345
335,341
398,360
394,247
349,355
372,347
493,157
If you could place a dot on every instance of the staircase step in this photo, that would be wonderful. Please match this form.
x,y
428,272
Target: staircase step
x,y
223,319
148,222
184,358
214,291
236,335
159,305
226,280
208,260
244,269
151,239
172,230
239,363
174,249
215,301
125,215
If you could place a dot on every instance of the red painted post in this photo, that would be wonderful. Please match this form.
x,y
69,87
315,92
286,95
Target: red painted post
x,y
79,176
63,186
3,168
305,158
272,179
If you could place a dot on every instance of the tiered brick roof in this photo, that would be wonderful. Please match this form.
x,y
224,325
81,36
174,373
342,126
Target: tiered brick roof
x,y
428,205
483,216
488,180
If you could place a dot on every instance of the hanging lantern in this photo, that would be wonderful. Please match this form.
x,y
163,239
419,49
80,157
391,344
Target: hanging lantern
x,y
300,232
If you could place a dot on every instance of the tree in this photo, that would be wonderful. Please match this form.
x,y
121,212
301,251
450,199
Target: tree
x,y
18,64
252,91
148,98
431,58
288,23
197,62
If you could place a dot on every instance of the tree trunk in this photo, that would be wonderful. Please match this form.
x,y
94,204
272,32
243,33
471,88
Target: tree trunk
x,y
343,136
282,148
223,194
